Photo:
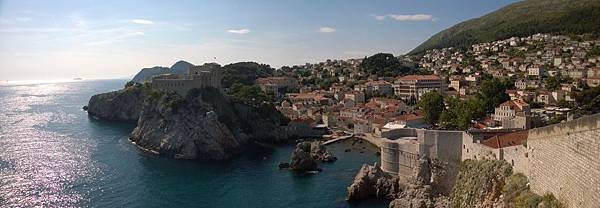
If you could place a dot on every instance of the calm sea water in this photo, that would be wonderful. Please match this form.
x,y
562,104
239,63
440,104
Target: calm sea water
x,y
53,155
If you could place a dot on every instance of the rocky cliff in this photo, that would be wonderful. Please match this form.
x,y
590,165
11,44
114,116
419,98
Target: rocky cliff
x,y
122,105
372,182
204,125
417,192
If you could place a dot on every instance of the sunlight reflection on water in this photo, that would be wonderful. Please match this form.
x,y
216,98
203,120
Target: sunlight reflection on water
x,y
38,166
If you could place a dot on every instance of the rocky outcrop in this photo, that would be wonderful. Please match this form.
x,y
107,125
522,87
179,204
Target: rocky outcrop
x,y
302,160
418,192
319,152
205,125
372,182
306,154
122,105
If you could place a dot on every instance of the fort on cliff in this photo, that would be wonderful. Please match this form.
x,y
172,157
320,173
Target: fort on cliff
x,y
207,75
563,159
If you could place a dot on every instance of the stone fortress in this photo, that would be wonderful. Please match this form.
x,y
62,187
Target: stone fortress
x,y
563,159
207,75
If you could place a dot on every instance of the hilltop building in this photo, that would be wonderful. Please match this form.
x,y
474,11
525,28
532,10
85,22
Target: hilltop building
x,y
207,75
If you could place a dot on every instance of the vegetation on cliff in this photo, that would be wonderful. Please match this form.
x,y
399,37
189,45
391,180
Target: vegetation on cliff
x,y
517,194
483,183
479,182
551,16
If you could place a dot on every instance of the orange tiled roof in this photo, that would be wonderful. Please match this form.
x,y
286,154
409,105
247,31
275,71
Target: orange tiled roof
x,y
515,104
506,140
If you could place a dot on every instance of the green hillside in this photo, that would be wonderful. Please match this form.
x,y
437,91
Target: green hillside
x,y
523,18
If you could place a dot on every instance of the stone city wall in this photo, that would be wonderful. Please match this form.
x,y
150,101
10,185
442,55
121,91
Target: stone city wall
x,y
565,159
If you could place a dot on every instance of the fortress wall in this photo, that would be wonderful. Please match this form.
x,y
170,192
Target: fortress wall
x,y
517,156
476,151
389,156
565,160
444,148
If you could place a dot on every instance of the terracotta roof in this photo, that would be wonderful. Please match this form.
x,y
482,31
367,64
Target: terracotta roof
x,y
506,140
515,104
420,77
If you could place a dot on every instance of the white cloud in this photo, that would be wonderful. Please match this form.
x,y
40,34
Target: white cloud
x,y
240,31
327,30
406,17
379,17
142,21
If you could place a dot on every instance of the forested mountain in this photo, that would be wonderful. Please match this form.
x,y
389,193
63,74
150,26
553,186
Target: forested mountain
x,y
520,19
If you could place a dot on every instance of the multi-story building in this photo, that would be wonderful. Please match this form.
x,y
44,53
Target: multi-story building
x,y
277,85
417,85
513,114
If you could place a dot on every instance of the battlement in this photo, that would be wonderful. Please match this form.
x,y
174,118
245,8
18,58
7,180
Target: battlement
x,y
207,75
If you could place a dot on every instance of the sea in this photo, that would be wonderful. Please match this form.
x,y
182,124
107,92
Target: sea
x,y
52,154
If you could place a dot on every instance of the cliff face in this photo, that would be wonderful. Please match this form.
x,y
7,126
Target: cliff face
x,y
416,192
372,182
122,105
172,126
204,125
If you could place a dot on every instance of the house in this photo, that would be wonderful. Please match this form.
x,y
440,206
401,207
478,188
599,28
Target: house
x,y
513,114
536,70
521,84
545,97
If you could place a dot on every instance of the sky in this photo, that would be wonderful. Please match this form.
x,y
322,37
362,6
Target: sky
x,y
55,39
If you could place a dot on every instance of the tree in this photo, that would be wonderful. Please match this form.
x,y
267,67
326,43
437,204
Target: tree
x,y
249,94
493,93
384,64
244,73
552,83
459,114
432,105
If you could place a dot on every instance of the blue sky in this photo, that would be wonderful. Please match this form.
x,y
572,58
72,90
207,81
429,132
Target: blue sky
x,y
42,39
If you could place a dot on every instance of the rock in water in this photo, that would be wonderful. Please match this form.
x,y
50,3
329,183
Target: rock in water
x,y
306,155
284,165
372,182
302,160
319,152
